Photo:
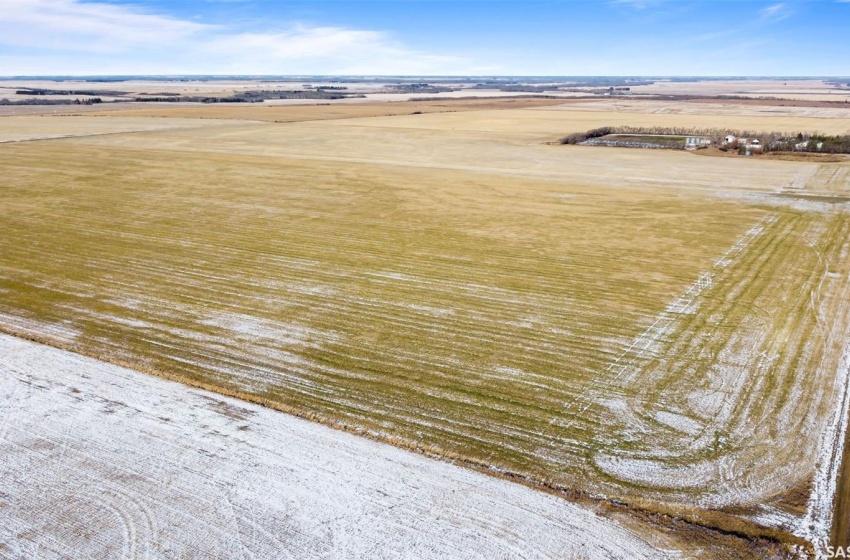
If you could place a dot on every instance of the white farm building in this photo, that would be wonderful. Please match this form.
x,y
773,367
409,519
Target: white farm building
x,y
694,142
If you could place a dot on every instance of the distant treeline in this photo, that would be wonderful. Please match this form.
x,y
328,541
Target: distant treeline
x,y
195,99
554,83
493,97
613,82
769,141
418,88
88,101
248,97
92,92
517,88
319,93
528,88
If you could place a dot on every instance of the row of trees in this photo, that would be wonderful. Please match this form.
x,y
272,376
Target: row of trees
x,y
196,99
579,137
256,96
88,101
418,88
91,92
770,141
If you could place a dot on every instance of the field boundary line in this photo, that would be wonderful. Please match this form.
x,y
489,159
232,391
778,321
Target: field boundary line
x,y
822,509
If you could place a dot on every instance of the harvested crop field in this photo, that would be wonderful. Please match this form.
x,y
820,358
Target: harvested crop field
x,y
41,127
345,109
658,330
761,90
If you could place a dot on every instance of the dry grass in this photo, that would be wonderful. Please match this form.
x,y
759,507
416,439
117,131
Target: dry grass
x,y
806,156
326,111
40,127
709,114
353,274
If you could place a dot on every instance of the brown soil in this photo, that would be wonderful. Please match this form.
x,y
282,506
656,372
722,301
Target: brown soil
x,y
796,499
840,535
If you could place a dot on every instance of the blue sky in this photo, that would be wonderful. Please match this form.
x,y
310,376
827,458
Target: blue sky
x,y
421,37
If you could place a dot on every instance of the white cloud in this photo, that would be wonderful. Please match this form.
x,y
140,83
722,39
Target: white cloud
x,y
74,37
349,51
775,12
639,4
98,27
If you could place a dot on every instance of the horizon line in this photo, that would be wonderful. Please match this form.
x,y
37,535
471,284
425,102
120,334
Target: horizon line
x,y
449,76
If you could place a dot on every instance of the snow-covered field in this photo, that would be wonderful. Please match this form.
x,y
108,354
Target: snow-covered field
x,y
98,461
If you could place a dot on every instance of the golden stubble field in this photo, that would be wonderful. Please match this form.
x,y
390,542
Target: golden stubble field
x,y
814,90
651,328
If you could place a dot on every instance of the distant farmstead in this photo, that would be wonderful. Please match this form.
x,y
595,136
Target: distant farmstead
x,y
751,144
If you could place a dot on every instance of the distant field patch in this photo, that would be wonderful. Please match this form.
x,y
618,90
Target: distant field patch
x,y
28,128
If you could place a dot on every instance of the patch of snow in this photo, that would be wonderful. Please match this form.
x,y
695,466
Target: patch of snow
x,y
656,474
64,331
431,310
393,276
773,517
678,422
254,329
818,521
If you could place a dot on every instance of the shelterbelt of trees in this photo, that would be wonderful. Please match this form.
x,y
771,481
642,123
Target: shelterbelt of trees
x,y
770,141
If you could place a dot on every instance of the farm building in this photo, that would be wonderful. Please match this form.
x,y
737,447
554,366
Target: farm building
x,y
805,146
694,142
749,143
